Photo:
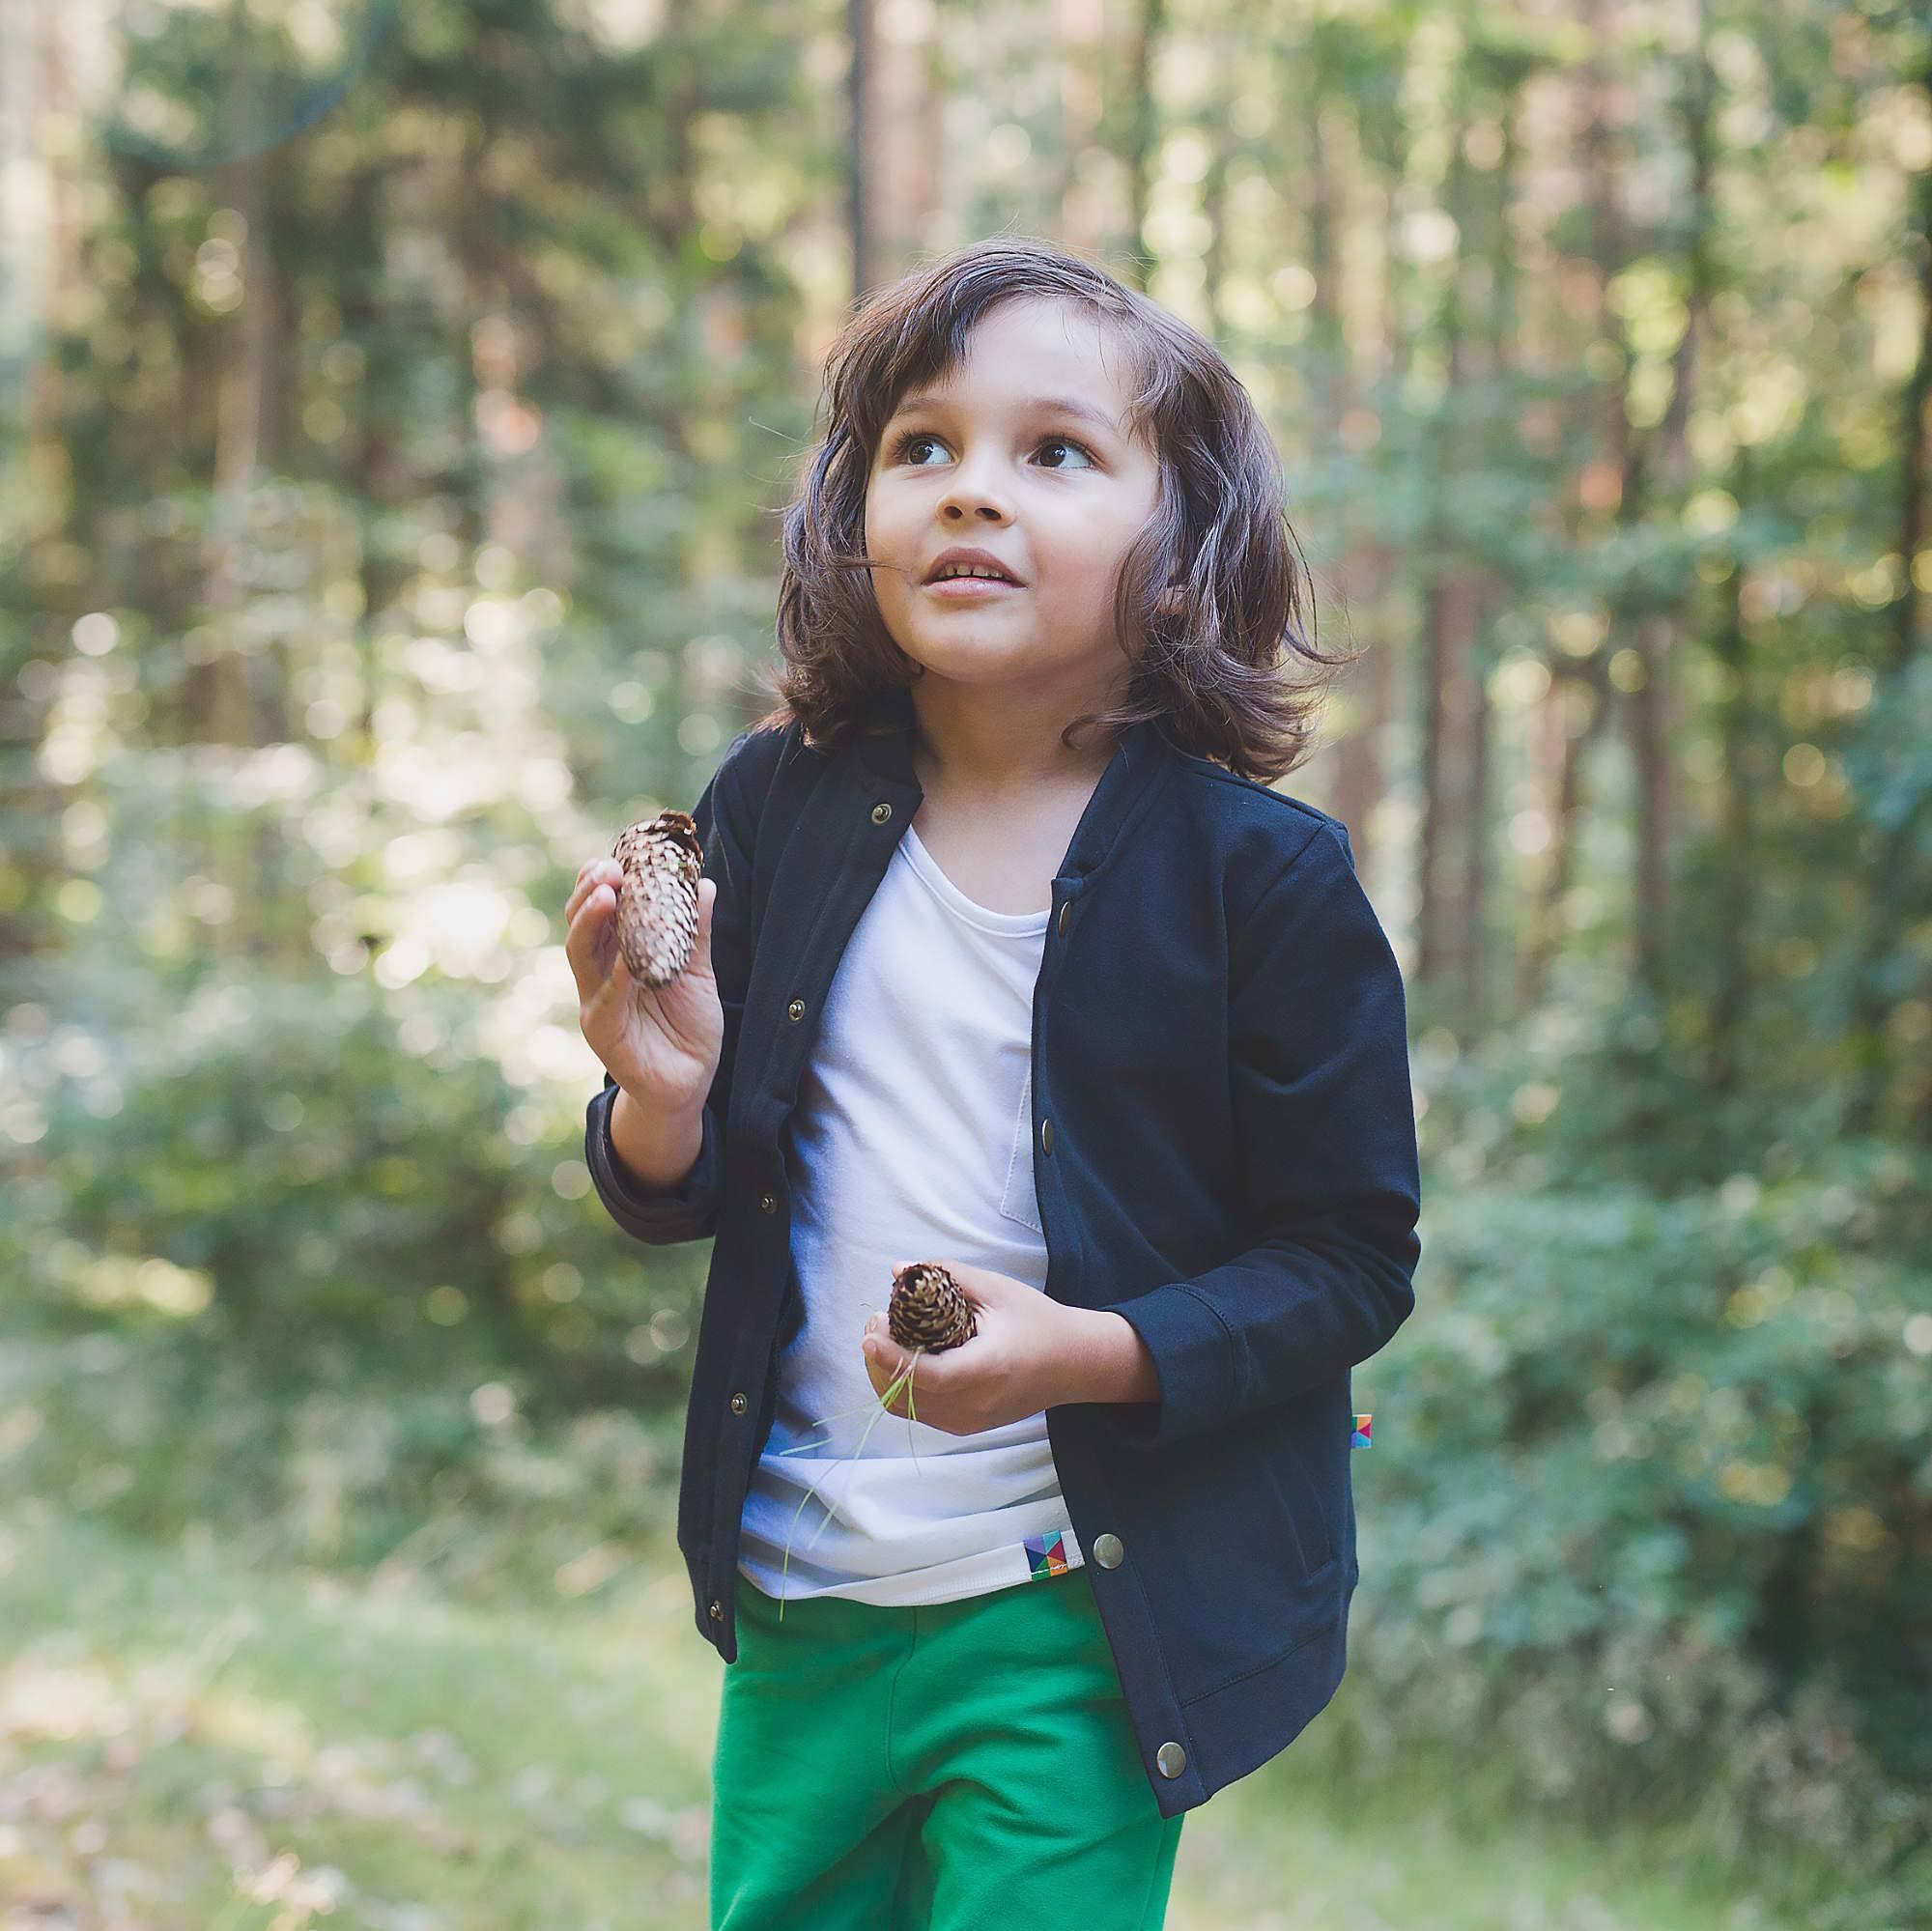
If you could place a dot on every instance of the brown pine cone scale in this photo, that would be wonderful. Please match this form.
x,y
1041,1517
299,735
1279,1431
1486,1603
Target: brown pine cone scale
x,y
928,1309
657,903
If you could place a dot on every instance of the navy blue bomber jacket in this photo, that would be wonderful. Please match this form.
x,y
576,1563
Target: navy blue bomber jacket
x,y
1224,1155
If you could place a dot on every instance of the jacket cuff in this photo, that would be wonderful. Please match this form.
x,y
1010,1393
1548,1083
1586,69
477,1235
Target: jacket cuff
x,y
687,1211
1194,1355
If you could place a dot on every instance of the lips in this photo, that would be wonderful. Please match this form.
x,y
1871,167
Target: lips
x,y
962,557
968,589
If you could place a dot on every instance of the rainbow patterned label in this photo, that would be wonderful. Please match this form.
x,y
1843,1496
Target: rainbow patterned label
x,y
1046,1554
1360,1437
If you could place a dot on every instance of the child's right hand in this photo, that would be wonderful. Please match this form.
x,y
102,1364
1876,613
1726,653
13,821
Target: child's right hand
x,y
661,1044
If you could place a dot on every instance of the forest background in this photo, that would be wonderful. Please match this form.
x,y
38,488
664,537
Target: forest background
x,y
395,403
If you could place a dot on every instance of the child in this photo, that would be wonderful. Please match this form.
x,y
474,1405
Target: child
x,y
1006,960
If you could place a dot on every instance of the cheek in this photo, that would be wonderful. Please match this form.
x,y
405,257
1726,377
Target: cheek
x,y
1082,562
885,538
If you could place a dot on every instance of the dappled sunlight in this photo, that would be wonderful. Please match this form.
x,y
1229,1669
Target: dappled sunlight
x,y
161,1767
401,408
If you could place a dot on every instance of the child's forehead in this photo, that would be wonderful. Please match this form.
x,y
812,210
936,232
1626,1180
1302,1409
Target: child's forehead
x,y
1032,349
1104,400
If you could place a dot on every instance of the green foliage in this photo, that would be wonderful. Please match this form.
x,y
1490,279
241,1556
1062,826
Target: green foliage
x,y
389,519
461,1473
283,1175
1650,1504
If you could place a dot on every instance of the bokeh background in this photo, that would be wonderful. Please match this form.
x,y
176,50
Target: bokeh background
x,y
395,406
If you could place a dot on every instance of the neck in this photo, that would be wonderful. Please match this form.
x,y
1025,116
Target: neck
x,y
991,742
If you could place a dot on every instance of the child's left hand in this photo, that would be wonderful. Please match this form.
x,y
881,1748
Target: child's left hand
x,y
1020,1360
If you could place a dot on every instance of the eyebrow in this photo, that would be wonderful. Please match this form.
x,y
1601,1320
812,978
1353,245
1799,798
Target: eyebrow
x,y
1043,405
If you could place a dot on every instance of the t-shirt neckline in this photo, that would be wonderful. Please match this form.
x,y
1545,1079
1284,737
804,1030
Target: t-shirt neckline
x,y
1015,925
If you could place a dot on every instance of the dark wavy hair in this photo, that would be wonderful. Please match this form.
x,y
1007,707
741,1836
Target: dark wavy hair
x,y
1209,596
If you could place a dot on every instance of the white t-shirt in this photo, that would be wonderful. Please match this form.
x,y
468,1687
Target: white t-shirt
x,y
912,1139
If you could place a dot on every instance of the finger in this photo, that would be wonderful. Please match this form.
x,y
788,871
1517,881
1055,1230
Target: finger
x,y
894,1390
701,947
599,871
882,1385
587,926
886,1362
595,958
924,1373
575,946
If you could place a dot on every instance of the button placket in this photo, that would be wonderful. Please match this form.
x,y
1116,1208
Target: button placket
x,y
1108,1551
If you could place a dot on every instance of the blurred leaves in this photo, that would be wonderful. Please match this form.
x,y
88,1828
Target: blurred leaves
x,y
386,515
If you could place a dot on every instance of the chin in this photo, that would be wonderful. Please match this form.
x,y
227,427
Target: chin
x,y
975,631
965,661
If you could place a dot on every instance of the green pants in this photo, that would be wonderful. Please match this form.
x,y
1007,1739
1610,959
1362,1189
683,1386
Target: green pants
x,y
939,1767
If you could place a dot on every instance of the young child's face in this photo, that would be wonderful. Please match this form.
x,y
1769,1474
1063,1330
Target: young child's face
x,y
993,458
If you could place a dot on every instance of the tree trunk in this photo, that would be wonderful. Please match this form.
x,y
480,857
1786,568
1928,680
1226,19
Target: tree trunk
x,y
904,118
1736,857
859,147
1892,897
1080,33
1139,156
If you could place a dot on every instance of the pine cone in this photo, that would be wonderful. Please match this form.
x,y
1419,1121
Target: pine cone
x,y
928,1309
657,903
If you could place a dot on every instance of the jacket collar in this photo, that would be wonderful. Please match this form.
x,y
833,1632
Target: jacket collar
x,y
1142,756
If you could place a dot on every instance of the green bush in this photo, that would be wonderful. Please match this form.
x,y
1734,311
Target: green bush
x,y
1650,1504
287,1170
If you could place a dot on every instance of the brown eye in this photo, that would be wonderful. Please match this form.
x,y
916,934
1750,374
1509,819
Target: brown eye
x,y
1067,443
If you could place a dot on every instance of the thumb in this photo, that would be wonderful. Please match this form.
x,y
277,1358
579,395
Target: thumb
x,y
986,1286
707,897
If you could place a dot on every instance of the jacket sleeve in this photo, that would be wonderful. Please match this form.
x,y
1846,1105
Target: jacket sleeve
x,y
688,1211
1326,1122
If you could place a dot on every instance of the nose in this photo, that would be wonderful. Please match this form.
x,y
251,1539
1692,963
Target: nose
x,y
956,506
970,497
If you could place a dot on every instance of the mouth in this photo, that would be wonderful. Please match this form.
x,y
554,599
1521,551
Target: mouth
x,y
969,590
955,566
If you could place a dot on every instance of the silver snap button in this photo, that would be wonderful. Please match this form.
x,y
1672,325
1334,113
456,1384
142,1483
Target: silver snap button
x,y
1171,1758
766,1204
717,1610
796,1009
739,1405
880,813
1046,1136
1107,1550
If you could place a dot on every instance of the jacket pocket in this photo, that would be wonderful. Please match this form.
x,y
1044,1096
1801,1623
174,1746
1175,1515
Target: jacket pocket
x,y
1225,1563
1302,1513
1020,1201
